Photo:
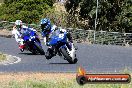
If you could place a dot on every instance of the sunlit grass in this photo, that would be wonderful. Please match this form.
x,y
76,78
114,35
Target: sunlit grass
x,y
2,57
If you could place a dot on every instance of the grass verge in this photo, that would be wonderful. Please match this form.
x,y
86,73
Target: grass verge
x,y
2,57
62,84
48,80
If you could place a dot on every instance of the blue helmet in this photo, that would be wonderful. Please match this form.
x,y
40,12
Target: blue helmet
x,y
45,24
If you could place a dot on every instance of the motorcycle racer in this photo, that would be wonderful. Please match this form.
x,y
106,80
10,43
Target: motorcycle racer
x,y
49,30
18,30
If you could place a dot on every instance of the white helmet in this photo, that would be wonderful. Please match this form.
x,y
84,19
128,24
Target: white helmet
x,y
18,24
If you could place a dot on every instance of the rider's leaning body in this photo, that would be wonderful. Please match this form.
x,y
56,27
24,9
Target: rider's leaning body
x,y
49,30
19,30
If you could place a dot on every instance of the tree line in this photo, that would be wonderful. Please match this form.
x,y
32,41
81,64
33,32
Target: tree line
x,y
113,15
29,11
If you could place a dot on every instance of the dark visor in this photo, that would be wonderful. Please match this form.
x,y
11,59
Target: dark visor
x,y
43,25
18,26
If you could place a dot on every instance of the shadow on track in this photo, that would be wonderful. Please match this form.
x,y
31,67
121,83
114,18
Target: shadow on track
x,y
28,54
59,63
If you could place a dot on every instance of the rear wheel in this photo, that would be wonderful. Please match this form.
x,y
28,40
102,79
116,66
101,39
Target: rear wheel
x,y
68,58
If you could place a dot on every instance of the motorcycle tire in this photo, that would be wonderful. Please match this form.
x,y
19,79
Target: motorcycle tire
x,y
39,49
67,57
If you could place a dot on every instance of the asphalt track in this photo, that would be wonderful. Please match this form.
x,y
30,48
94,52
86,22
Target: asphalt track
x,y
93,58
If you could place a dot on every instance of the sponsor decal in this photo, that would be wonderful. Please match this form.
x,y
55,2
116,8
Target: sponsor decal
x,y
82,77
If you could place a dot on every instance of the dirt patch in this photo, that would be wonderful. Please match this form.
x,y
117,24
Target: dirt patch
x,y
5,33
20,77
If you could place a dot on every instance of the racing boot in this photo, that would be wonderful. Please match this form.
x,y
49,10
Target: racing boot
x,y
50,53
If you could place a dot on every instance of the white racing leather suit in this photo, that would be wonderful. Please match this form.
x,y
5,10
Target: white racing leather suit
x,y
18,34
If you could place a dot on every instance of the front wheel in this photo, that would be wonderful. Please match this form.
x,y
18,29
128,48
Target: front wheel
x,y
39,48
68,58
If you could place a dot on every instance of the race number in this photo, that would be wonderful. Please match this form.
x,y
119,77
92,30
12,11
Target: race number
x,y
61,36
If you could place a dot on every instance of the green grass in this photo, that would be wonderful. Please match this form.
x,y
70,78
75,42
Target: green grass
x,y
2,57
60,84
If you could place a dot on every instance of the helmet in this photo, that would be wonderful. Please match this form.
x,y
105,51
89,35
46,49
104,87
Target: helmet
x,y
18,24
45,25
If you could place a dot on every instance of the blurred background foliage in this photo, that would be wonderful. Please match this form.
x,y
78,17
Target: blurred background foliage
x,y
113,15
29,11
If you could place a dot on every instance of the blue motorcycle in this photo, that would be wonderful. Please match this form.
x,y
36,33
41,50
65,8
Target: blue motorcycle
x,y
59,45
32,43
